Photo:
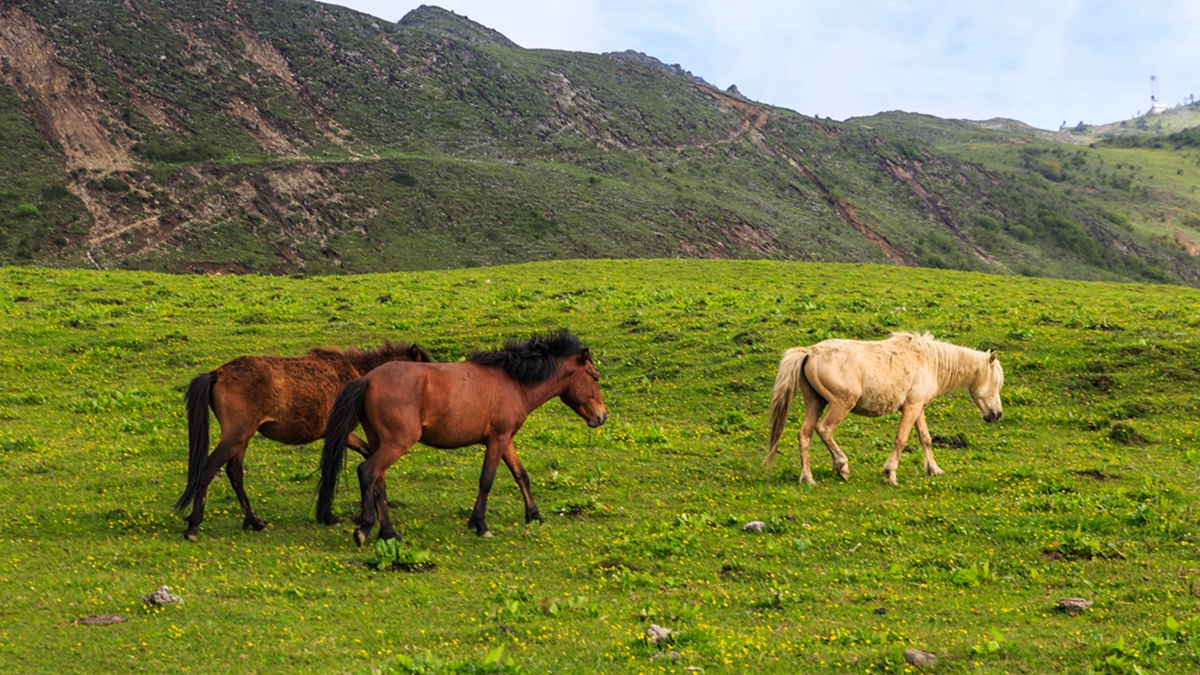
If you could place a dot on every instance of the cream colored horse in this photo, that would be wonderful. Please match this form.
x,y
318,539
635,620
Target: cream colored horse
x,y
904,372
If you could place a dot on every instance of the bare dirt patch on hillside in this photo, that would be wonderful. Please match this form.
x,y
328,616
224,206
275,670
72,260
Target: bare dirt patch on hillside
x,y
72,116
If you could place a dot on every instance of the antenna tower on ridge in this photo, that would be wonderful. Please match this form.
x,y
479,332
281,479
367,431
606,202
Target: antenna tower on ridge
x,y
1155,106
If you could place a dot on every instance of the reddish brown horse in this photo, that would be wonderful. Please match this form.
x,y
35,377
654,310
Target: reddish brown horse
x,y
284,399
484,399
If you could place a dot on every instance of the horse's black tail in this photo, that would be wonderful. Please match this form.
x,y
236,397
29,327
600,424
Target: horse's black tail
x,y
342,420
196,401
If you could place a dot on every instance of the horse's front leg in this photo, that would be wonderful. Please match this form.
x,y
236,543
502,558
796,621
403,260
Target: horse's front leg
x,y
931,467
491,458
522,478
909,415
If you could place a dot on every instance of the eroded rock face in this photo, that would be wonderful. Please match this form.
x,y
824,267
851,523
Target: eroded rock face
x,y
70,112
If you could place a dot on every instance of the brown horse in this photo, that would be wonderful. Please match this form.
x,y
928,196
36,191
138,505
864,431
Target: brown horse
x,y
904,372
484,399
284,399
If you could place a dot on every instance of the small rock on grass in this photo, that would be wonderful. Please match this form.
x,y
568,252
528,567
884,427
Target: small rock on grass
x,y
755,526
920,658
99,620
656,634
1074,604
163,596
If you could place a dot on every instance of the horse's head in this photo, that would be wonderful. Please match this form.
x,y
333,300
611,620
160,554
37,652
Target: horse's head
x,y
582,393
986,390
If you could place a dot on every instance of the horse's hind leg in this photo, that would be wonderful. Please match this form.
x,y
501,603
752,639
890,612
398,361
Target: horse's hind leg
x,y
225,450
837,412
233,469
359,445
931,467
814,405
386,531
909,415
522,477
374,494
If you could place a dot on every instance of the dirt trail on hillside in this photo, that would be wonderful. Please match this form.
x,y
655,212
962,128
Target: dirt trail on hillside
x,y
894,253
934,202
72,117
754,120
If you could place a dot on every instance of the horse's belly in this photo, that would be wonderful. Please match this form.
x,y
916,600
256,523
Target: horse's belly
x,y
447,439
875,406
299,433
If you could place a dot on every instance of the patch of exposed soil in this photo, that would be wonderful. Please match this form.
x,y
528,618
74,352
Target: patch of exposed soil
x,y
1186,244
69,114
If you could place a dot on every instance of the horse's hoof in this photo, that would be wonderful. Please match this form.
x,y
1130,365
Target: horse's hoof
x,y
190,536
934,472
256,525
807,479
360,538
487,534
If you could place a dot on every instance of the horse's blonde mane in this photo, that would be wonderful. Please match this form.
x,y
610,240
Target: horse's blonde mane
x,y
957,367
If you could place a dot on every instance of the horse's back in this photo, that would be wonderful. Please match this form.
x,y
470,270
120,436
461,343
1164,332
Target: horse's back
x,y
286,398
455,404
874,377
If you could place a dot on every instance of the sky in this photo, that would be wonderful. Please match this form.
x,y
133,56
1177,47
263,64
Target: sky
x,y
1043,62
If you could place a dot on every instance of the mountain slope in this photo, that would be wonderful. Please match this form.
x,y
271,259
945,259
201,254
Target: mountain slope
x,y
292,136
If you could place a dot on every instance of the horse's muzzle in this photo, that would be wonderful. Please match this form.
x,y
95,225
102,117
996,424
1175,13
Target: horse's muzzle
x,y
993,416
598,419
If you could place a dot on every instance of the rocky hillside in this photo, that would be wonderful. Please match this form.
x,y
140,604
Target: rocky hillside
x,y
295,137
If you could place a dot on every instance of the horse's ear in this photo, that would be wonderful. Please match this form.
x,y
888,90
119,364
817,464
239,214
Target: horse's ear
x,y
991,356
585,356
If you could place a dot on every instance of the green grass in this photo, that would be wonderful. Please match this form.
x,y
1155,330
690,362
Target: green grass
x,y
1087,487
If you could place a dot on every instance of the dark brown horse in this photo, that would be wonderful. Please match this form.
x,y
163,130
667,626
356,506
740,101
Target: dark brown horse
x,y
484,399
284,399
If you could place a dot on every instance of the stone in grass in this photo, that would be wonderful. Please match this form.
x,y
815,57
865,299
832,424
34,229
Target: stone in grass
x,y
1073,605
920,658
99,620
657,635
163,596
755,526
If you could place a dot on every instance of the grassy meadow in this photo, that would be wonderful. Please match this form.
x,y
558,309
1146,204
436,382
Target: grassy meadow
x,y
1087,486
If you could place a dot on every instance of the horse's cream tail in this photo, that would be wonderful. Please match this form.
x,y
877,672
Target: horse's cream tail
x,y
787,382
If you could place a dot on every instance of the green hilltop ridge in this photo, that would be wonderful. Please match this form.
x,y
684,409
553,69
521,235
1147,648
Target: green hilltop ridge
x,y
294,137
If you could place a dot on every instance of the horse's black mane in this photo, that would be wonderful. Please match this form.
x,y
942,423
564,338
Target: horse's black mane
x,y
371,358
534,359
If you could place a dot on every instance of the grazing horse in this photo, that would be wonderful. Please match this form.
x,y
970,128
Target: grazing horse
x,y
285,399
484,399
904,372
